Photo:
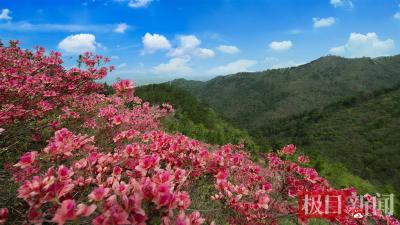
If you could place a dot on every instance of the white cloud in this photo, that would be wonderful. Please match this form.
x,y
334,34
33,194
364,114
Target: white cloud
x,y
341,3
189,46
175,66
204,52
323,22
4,15
26,26
275,63
359,45
241,65
79,43
286,64
397,16
340,50
121,28
336,3
154,42
188,43
139,3
122,65
280,46
228,49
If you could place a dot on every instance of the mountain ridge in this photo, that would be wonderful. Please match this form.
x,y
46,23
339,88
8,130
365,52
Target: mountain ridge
x,y
279,93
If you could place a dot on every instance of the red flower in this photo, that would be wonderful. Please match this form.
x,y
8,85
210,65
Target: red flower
x,y
69,211
65,212
263,202
289,149
27,159
3,215
303,159
99,194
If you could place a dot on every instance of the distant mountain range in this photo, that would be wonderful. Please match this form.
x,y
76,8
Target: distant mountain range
x,y
251,99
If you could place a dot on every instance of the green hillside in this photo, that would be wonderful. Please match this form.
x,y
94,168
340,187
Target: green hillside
x,y
250,100
193,118
363,133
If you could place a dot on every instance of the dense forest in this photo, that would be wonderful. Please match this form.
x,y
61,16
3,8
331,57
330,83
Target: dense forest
x,y
361,132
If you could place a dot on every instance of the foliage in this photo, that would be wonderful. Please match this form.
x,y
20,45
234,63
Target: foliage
x,y
363,130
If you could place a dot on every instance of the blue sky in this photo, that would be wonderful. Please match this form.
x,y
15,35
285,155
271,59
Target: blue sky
x,y
159,40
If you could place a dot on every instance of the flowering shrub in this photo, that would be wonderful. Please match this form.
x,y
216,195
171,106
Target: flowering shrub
x,y
106,163
32,84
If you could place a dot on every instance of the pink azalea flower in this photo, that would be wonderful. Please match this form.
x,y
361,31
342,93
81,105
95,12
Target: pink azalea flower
x,y
85,210
99,194
3,215
27,159
183,200
117,171
303,159
289,149
182,219
64,173
263,202
65,212
196,219
68,211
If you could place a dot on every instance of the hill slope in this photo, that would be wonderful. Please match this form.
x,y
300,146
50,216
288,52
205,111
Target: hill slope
x,y
193,118
363,133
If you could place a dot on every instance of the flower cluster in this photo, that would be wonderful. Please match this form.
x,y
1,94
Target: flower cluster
x,y
107,163
34,84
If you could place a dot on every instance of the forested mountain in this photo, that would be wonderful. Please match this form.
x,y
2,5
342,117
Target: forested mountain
x,y
250,100
347,110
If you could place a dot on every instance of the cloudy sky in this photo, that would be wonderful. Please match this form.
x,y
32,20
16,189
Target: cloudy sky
x,y
159,40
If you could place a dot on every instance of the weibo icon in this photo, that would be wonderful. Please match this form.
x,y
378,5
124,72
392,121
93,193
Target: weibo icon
x,y
358,215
